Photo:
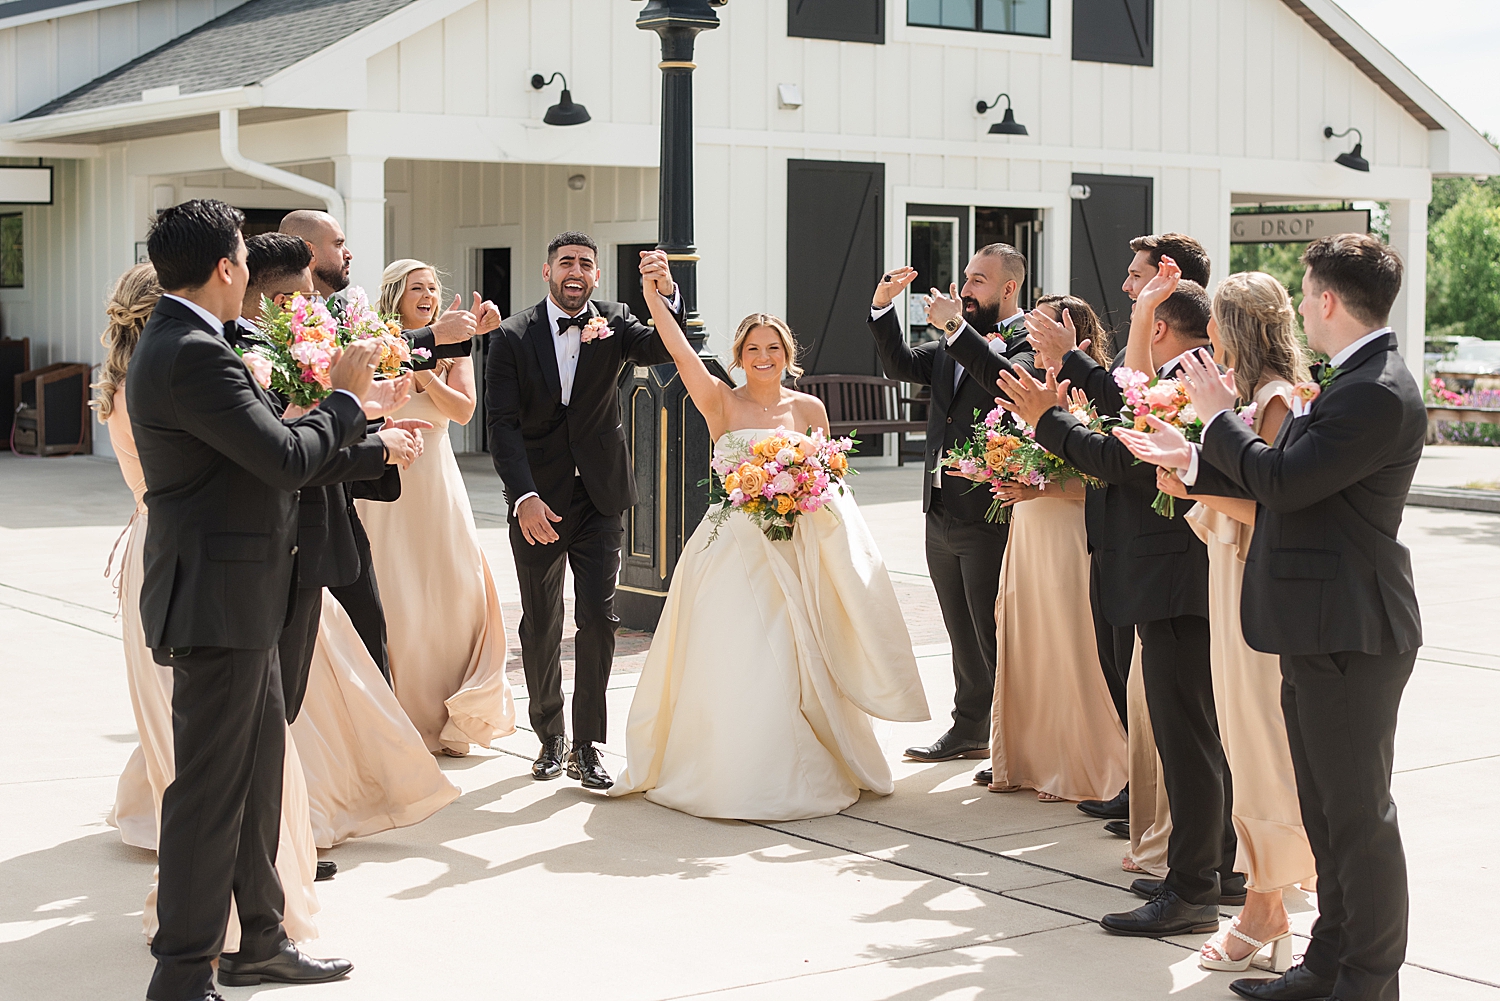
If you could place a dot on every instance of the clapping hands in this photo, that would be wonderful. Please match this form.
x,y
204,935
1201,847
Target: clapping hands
x,y
1029,399
1051,339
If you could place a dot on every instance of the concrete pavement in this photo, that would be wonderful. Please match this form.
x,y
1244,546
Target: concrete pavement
x,y
523,889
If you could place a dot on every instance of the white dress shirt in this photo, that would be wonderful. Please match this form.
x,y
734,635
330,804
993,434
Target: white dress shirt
x,y
1189,476
209,318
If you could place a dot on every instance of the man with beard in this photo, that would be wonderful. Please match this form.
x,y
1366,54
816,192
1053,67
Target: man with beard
x,y
964,550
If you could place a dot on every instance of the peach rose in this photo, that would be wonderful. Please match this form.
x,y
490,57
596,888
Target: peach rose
x,y
752,479
731,482
784,503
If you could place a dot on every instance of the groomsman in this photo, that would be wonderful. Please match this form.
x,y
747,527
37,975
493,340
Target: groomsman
x,y
332,548
1154,577
552,403
1329,588
222,472
964,550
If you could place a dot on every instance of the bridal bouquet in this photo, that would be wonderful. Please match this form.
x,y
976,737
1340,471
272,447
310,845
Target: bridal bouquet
x,y
779,478
294,349
359,321
998,453
1168,402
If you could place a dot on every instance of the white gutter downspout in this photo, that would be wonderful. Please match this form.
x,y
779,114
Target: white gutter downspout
x,y
229,149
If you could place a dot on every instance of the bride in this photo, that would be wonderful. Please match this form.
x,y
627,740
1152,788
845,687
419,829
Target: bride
x,y
769,655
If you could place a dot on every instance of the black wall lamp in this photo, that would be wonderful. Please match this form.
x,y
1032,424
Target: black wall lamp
x,y
1354,159
564,112
1007,125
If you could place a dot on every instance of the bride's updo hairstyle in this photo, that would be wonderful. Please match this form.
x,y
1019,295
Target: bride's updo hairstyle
x,y
776,323
1258,329
128,309
393,284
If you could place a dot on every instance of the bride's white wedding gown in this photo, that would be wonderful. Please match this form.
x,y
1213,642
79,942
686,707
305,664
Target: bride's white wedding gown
x,y
766,661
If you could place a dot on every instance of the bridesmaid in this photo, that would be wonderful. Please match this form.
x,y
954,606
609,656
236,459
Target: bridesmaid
x,y
151,767
1054,727
1253,333
446,635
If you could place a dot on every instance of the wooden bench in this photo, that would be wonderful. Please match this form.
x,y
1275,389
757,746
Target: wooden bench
x,y
867,404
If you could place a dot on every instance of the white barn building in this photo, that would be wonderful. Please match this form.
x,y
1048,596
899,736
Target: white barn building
x,y
835,138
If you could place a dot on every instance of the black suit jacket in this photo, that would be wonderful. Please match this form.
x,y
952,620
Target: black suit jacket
x,y
1150,567
1325,573
951,414
222,474
535,441
327,552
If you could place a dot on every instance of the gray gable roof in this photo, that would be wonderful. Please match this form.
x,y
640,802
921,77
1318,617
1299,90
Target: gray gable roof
x,y
247,45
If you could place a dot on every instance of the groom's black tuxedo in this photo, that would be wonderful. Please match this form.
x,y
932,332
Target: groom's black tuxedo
x,y
1329,587
574,456
1153,574
222,473
964,551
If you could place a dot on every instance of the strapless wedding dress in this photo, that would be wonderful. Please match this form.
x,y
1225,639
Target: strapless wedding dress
x,y
766,666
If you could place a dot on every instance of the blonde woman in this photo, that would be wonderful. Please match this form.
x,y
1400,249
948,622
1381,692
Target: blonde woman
x,y
151,768
1253,333
446,636
770,657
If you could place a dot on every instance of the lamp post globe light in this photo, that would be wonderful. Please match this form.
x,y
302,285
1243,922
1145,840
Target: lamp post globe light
x,y
668,437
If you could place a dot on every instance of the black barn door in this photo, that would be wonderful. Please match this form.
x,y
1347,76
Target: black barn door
x,y
1116,211
835,226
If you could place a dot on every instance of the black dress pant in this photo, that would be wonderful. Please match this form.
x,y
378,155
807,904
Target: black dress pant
x,y
1180,697
963,559
295,647
362,601
589,542
220,817
1341,723
1116,645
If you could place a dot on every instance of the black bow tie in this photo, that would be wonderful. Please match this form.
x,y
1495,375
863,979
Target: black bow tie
x,y
580,321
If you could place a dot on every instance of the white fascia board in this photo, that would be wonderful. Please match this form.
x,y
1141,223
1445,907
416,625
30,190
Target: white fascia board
x,y
1464,150
404,135
51,13
56,151
302,84
136,113
301,140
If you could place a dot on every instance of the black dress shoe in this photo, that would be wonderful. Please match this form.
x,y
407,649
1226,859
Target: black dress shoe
x,y
326,870
1231,891
949,746
1109,809
1297,984
984,776
585,766
549,763
1119,828
1165,914
289,966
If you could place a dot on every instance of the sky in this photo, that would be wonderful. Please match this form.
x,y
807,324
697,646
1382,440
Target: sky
x,y
1451,44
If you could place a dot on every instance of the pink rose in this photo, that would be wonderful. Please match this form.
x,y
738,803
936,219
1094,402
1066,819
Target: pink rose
x,y
260,368
597,329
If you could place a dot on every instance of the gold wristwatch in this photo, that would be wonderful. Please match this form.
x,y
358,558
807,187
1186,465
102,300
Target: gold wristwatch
x,y
953,325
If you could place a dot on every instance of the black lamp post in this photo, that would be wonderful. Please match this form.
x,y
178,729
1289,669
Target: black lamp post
x,y
668,437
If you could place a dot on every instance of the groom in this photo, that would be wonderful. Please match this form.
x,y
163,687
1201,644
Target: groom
x,y
552,403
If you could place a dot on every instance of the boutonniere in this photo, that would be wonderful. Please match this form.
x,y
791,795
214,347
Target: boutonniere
x,y
1324,374
1303,395
597,329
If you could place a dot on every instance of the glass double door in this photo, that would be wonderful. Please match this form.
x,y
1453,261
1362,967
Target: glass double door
x,y
940,239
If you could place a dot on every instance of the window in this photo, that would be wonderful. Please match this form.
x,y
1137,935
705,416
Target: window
x,y
12,252
1009,17
1113,31
841,20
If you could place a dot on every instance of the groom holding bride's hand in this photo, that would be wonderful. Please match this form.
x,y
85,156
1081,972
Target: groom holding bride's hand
x,y
553,408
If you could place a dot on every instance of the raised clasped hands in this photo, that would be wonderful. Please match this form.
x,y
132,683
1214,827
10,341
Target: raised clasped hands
x,y
1029,399
1051,339
892,284
943,308
656,271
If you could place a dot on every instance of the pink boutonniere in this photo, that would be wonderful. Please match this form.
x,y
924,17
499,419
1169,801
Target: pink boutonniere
x,y
597,329
1303,395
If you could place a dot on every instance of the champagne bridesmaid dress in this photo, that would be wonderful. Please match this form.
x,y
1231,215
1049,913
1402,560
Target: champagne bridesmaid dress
x,y
1273,851
137,811
446,636
767,659
1054,727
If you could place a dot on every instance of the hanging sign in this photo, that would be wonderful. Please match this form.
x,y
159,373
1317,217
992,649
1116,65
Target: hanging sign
x,y
1295,227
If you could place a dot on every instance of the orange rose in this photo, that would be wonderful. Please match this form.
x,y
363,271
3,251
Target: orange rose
x,y
838,463
752,479
731,482
784,504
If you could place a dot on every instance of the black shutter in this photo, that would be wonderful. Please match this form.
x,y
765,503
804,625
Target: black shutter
x,y
1117,211
1113,31
835,249
841,20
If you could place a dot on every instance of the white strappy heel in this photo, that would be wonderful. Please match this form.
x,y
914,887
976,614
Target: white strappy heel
x,y
1281,951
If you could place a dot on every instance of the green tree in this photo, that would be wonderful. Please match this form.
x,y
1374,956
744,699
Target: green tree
x,y
1463,270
